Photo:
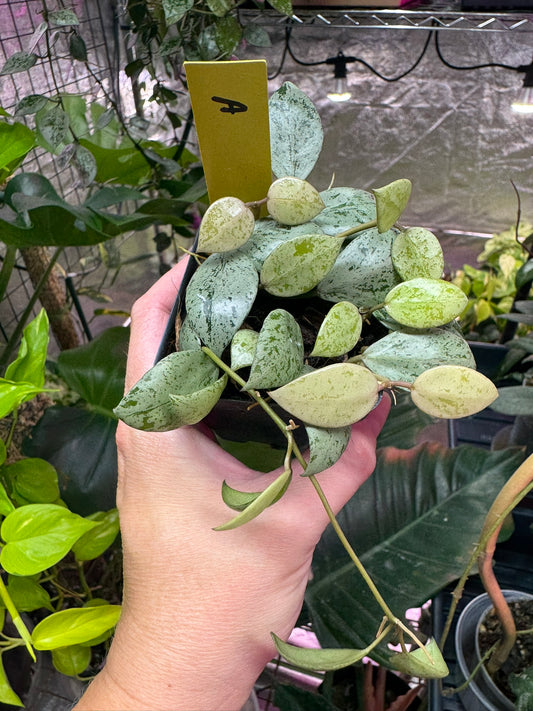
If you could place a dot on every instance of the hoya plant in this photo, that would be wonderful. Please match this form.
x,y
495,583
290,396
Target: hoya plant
x,y
46,549
313,305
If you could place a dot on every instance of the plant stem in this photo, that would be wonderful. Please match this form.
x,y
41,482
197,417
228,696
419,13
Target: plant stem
x,y
356,229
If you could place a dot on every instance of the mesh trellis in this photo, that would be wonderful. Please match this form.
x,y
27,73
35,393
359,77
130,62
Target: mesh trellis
x,y
99,27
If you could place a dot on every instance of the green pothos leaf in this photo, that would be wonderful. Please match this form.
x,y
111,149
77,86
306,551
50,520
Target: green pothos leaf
x,y
74,626
190,377
279,352
71,660
326,446
266,498
391,201
219,297
339,331
243,347
335,396
295,127
296,266
318,659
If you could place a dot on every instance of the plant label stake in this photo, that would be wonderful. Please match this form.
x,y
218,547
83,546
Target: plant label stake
x,y
230,106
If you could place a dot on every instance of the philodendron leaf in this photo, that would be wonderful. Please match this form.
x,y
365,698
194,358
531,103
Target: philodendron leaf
x,y
27,594
219,297
179,390
226,225
279,353
318,659
7,695
427,663
298,265
326,446
425,303
404,356
38,536
339,331
416,252
391,201
295,131
243,345
514,400
345,208
452,391
335,396
266,498
363,272
74,626
293,201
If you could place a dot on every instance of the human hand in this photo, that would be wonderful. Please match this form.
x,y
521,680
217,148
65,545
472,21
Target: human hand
x,y
199,605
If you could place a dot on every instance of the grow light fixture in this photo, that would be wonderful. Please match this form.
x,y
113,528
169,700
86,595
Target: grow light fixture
x,y
524,100
340,92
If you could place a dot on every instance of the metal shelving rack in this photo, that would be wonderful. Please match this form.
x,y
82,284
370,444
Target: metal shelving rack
x,y
437,15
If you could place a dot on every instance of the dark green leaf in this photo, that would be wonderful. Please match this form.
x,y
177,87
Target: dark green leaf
x,y
96,371
288,697
175,9
77,47
53,126
27,594
525,274
413,524
256,36
404,423
30,105
514,400
32,480
228,34
219,297
18,62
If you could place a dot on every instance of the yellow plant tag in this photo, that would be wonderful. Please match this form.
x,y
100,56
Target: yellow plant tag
x,y
230,106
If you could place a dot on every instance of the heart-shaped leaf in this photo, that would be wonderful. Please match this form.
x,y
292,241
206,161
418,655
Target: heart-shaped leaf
x,y
326,446
345,208
416,252
190,376
391,201
266,498
318,659
53,126
427,663
38,536
295,132
279,353
226,225
74,626
335,396
219,297
425,303
298,265
363,272
71,660
93,544
339,331
404,356
452,391
293,201
243,347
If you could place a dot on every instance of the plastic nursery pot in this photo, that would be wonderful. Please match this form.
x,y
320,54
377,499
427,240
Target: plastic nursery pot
x,y
481,694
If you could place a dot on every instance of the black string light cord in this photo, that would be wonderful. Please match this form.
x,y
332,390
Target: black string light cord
x,y
472,66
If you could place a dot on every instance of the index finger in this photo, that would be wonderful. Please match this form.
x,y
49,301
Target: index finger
x,y
149,317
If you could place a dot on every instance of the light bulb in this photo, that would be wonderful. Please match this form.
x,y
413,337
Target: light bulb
x,y
524,101
340,92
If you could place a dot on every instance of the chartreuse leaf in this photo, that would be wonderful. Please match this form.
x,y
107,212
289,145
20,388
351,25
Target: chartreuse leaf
x,y
93,543
326,446
30,361
3,452
71,660
27,594
318,659
190,376
226,225
416,252
14,394
32,480
345,208
38,536
391,201
427,663
363,272
452,391
296,266
405,355
219,297
7,695
296,134
6,506
293,201
339,331
279,353
425,303
74,626
16,140
243,345
514,400
266,498
335,396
